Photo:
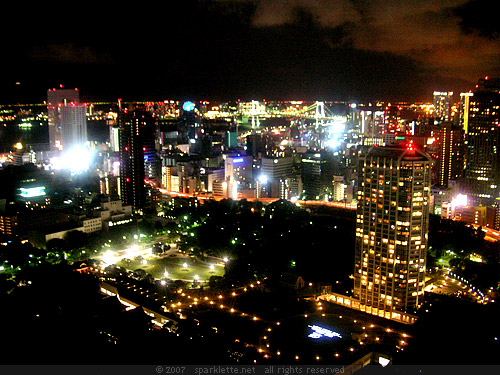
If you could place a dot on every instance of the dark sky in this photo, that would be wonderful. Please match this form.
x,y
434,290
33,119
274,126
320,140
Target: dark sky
x,y
230,49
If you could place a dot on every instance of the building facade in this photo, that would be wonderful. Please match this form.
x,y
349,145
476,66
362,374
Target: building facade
x,y
238,173
56,99
482,171
450,162
73,125
136,129
442,105
392,228
317,175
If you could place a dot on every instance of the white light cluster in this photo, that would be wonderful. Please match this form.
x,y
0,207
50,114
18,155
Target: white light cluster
x,y
320,332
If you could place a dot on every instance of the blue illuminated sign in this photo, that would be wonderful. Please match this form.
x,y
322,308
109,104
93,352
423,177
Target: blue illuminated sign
x,y
188,106
239,160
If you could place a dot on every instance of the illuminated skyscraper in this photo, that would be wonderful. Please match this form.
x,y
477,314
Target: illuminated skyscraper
x,y
136,137
73,125
449,165
391,229
481,119
56,99
442,105
237,173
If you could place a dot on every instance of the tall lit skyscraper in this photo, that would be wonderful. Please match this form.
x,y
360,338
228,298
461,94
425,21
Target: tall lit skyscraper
x,y
449,165
442,105
136,129
482,119
73,125
56,99
391,229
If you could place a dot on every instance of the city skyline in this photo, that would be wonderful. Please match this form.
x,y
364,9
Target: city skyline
x,y
346,50
249,182
185,210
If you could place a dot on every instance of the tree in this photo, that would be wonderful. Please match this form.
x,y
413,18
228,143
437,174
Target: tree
x,y
56,245
76,239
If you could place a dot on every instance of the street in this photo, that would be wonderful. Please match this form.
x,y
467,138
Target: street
x,y
447,283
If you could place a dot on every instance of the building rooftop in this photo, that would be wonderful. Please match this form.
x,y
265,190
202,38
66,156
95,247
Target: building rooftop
x,y
402,151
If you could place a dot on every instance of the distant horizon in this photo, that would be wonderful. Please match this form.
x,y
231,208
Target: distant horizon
x,y
94,99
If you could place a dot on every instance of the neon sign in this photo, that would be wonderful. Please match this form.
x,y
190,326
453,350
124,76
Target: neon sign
x,y
319,332
239,160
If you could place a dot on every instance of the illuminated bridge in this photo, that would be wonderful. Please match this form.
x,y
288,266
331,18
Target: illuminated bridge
x,y
256,111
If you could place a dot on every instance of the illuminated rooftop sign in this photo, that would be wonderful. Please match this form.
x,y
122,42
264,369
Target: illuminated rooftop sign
x,y
320,332
239,160
32,192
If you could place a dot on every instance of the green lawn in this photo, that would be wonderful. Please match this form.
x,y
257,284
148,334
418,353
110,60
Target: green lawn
x,y
174,266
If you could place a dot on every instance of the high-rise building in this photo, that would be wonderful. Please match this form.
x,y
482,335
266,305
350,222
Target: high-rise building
x,y
238,173
136,130
274,170
442,105
114,138
449,165
56,98
73,125
464,110
482,142
317,174
391,229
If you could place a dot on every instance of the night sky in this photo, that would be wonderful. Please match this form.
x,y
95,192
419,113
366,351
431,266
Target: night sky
x,y
229,49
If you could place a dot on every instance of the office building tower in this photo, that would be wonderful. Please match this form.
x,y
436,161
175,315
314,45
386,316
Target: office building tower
x,y
114,138
73,125
56,98
290,187
464,110
136,130
442,105
277,167
237,173
150,156
230,139
274,170
482,142
391,229
257,144
317,175
372,121
449,164
189,126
